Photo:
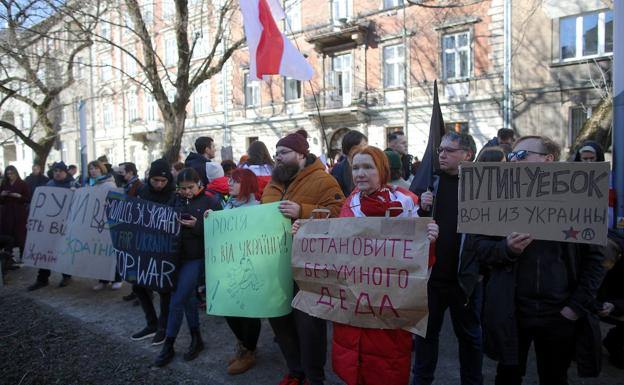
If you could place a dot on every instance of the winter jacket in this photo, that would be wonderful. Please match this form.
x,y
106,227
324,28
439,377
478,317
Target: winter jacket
x,y
218,189
198,163
68,182
133,187
365,356
104,181
163,196
34,181
542,280
312,188
342,173
263,175
192,245
14,211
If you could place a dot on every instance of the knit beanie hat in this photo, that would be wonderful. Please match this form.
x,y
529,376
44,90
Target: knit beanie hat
x,y
380,159
297,142
160,167
213,171
59,166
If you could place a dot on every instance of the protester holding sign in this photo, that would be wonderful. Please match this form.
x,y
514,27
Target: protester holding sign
x,y
60,178
300,182
243,187
375,356
158,189
100,178
453,282
192,203
546,296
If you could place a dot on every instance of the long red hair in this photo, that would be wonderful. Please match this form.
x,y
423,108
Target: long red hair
x,y
248,182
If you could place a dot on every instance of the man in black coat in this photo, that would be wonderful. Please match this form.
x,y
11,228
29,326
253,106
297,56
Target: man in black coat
x,y
550,289
205,148
36,178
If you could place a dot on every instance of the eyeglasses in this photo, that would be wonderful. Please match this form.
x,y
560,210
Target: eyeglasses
x,y
282,153
522,154
449,150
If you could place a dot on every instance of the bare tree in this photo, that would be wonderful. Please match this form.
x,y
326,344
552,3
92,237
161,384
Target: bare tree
x,y
34,71
157,74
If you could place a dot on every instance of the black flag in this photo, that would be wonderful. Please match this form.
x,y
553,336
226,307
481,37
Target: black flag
x,y
423,179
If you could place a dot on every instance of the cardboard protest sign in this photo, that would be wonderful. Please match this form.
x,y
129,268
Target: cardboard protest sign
x,y
248,262
366,272
146,239
551,201
67,232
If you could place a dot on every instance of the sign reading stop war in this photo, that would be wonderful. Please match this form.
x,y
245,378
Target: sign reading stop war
x,y
248,262
146,237
551,201
68,233
366,272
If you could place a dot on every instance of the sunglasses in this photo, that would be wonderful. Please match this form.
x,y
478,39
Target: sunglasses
x,y
522,154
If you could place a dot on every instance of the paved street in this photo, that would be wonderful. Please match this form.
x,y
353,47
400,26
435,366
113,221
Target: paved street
x,y
105,316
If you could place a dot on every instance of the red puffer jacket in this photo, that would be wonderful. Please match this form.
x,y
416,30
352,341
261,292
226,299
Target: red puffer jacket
x,y
371,356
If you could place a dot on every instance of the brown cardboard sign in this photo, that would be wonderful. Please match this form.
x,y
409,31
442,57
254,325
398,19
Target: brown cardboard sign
x,y
554,201
365,271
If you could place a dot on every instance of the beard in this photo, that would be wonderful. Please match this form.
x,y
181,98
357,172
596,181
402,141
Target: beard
x,y
284,172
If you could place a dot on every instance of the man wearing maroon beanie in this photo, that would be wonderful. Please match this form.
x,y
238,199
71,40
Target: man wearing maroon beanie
x,y
302,185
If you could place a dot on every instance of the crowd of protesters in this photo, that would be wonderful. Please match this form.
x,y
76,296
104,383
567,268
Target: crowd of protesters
x,y
503,294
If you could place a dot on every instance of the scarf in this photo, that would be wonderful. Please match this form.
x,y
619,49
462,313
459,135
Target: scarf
x,y
377,203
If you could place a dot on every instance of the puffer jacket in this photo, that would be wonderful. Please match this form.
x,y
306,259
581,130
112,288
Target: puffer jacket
x,y
312,188
192,245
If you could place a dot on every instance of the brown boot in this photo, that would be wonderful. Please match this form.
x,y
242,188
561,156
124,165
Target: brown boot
x,y
239,351
242,363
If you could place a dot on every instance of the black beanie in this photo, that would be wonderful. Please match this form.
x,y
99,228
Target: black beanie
x,y
160,167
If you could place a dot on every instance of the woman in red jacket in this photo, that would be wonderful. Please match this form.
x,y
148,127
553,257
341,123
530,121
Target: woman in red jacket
x,y
364,356
14,198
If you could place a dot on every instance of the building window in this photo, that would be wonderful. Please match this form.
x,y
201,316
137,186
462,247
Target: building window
x,y
150,107
168,8
147,11
578,117
107,68
171,51
132,107
201,98
394,69
341,10
392,3
78,68
341,78
459,127
587,35
131,67
292,89
252,92
292,8
200,38
456,55
107,115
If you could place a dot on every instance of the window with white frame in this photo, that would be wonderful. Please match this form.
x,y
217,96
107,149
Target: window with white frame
x,y
341,10
456,55
252,92
131,65
168,8
341,79
292,8
393,63
171,51
200,38
107,114
150,107
292,89
201,98
132,107
107,68
587,35
392,3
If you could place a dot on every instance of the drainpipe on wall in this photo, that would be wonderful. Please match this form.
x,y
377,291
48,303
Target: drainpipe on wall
x,y
507,103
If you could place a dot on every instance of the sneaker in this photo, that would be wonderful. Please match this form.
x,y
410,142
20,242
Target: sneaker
x,y
242,363
64,282
116,285
129,297
147,332
99,286
291,380
159,337
37,285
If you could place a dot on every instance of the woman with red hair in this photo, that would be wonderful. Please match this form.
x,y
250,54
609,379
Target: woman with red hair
x,y
366,356
243,186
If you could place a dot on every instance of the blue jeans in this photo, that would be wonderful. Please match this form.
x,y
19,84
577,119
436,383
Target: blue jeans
x,y
466,320
183,299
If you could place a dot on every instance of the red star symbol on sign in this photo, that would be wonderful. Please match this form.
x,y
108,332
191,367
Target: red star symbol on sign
x,y
571,233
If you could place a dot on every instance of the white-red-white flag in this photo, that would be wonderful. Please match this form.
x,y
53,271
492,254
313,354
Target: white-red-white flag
x,y
270,51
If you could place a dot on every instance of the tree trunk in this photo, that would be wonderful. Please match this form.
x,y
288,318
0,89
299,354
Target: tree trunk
x,y
43,151
598,127
174,129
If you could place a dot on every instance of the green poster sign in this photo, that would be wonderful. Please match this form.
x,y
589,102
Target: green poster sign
x,y
248,271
